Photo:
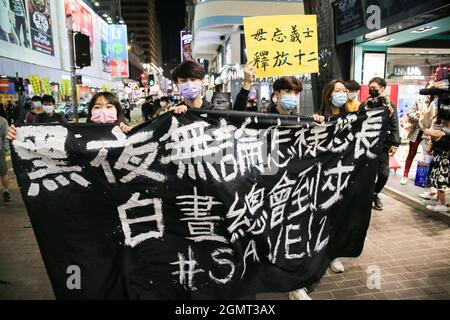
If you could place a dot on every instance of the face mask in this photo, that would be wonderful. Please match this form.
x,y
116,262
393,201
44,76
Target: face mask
x,y
352,96
49,108
374,93
37,105
338,99
104,115
190,90
289,102
163,104
274,100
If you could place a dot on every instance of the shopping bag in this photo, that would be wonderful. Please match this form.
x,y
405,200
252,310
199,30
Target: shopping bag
x,y
422,174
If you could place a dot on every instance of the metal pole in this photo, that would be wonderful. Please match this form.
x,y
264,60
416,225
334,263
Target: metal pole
x,y
73,74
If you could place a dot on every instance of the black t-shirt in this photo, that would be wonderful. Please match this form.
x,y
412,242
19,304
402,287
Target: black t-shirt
x,y
45,118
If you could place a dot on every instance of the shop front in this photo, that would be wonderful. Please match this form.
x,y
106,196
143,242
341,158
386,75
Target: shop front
x,y
406,48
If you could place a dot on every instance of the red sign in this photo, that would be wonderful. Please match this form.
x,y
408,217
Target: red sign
x,y
4,84
392,89
81,18
119,68
144,80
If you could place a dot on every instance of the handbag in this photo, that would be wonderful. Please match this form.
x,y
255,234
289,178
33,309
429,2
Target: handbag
x,y
406,123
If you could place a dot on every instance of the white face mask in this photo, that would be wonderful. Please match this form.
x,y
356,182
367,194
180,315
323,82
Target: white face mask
x,y
163,104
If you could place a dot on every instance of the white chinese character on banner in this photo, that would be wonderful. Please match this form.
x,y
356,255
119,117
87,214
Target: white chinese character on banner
x,y
136,160
189,146
45,146
369,135
337,181
201,223
279,196
155,207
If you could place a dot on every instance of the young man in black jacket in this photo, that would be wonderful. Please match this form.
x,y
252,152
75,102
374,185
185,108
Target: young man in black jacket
x,y
188,77
376,88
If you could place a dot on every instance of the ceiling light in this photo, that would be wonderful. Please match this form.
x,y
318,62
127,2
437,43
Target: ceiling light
x,y
424,29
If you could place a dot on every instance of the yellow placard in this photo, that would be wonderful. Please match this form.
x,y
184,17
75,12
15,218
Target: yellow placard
x,y
66,87
282,45
105,88
35,83
46,87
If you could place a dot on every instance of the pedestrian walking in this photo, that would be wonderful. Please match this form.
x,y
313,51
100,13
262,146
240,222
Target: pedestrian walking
x,y
392,141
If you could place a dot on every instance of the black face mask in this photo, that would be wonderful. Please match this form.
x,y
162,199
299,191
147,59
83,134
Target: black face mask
x,y
374,93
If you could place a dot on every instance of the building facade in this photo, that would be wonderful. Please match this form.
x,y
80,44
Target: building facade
x,y
218,40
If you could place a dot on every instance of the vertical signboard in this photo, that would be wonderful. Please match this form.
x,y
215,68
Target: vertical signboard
x,y
118,42
81,19
105,48
186,49
40,26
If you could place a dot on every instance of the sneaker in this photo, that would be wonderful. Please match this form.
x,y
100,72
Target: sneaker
x,y
438,207
337,266
377,204
404,180
300,294
425,195
431,202
6,196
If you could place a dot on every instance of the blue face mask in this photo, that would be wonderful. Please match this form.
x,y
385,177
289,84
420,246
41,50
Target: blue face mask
x,y
289,102
274,100
338,99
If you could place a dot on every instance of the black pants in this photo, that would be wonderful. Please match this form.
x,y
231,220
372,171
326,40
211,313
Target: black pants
x,y
383,170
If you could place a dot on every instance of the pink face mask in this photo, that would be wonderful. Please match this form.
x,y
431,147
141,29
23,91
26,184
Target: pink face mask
x,y
104,115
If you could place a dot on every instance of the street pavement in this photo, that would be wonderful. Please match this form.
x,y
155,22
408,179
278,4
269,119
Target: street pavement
x,y
410,250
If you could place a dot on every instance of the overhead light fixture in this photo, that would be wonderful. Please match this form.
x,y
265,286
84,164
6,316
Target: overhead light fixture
x,y
424,29
385,40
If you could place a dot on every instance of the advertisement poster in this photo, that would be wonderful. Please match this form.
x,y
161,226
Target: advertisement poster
x,y
105,49
118,41
81,19
41,26
14,23
186,50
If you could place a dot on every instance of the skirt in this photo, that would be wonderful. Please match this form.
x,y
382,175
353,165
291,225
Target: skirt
x,y
439,170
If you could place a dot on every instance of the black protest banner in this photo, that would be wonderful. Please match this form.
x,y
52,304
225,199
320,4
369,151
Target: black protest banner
x,y
206,205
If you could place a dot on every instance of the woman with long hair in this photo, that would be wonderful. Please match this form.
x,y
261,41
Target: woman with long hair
x,y
104,107
334,99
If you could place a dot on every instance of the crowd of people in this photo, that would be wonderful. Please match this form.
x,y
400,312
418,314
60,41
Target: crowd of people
x,y
338,98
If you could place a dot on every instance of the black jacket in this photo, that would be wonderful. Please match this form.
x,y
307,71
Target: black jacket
x,y
205,106
241,100
393,135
